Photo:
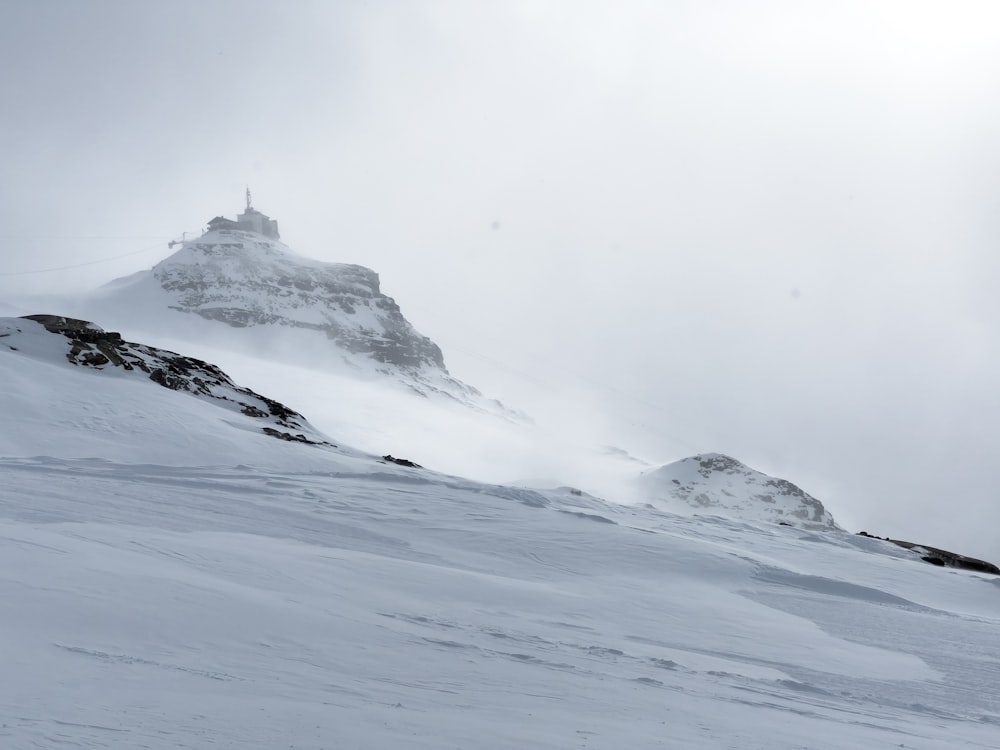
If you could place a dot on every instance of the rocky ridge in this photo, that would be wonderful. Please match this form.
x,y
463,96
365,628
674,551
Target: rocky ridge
x,y
940,557
89,345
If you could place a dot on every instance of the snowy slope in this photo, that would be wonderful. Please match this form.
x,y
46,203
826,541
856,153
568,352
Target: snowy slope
x,y
61,400
172,577
714,483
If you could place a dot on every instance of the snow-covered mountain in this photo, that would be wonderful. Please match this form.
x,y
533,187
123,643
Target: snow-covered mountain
x,y
714,483
248,290
175,576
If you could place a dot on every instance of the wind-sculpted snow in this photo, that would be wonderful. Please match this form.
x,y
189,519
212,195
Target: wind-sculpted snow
x,y
182,607
714,483
171,577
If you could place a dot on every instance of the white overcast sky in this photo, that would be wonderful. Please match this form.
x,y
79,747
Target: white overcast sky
x,y
762,228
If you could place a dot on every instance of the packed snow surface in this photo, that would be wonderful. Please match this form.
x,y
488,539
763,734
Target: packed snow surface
x,y
172,578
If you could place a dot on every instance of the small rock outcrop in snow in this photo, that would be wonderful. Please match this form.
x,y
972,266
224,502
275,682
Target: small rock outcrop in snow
x,y
714,483
88,345
940,557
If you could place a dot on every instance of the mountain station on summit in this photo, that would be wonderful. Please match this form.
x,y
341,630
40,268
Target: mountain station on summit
x,y
251,220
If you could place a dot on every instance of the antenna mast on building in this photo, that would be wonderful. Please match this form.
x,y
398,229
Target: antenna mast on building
x,y
248,198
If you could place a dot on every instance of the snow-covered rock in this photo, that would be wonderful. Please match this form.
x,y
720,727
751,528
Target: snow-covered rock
x,y
245,279
68,344
940,557
718,484
249,291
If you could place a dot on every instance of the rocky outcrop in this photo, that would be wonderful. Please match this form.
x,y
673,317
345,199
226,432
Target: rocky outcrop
x,y
91,346
716,483
389,458
941,557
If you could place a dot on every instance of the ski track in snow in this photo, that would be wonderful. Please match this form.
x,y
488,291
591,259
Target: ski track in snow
x,y
149,606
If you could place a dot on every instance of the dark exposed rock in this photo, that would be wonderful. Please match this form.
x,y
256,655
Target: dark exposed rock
x,y
90,346
940,557
279,410
298,438
168,380
401,461
74,328
94,359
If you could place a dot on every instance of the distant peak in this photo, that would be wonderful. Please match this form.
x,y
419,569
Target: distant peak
x,y
715,482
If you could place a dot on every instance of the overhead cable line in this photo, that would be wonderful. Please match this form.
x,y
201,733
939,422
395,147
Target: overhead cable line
x,y
87,263
80,237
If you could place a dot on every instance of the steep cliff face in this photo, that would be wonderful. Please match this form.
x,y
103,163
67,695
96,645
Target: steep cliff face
x,y
244,279
718,484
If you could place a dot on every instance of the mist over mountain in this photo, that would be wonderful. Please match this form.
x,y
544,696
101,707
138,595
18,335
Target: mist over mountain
x,y
452,449
238,288
238,285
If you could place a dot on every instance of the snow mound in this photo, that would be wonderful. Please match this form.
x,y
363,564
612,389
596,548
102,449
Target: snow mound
x,y
715,483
